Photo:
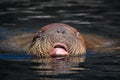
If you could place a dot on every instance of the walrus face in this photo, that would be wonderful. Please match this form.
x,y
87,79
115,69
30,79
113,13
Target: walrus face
x,y
57,40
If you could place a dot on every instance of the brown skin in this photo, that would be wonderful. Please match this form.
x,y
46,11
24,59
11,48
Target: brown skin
x,y
57,39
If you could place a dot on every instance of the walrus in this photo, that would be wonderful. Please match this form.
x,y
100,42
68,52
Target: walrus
x,y
57,40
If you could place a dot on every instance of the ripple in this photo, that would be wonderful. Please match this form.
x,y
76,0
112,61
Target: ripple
x,y
27,11
77,14
23,11
12,9
23,19
42,16
9,24
76,22
31,8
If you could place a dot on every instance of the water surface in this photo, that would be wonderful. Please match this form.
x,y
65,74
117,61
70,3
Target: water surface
x,y
23,17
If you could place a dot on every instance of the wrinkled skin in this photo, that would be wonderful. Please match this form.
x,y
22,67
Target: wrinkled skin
x,y
57,40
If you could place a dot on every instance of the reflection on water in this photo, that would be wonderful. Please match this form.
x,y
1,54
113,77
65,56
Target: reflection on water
x,y
21,17
75,68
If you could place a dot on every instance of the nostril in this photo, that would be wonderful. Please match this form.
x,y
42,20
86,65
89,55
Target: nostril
x,y
63,32
60,31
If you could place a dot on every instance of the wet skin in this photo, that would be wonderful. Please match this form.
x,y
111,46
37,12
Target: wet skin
x,y
57,40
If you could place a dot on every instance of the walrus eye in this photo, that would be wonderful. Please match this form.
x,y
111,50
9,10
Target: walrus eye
x,y
78,35
39,34
37,37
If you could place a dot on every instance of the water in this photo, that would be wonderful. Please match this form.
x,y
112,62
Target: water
x,y
19,18
75,68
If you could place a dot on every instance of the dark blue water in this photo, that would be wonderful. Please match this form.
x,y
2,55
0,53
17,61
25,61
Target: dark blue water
x,y
19,18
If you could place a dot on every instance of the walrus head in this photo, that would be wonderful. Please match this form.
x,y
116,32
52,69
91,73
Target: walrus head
x,y
56,40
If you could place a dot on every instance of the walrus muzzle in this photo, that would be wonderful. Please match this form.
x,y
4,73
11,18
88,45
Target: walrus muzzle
x,y
57,40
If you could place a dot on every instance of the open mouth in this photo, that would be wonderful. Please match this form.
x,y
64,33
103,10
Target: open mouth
x,y
60,45
59,50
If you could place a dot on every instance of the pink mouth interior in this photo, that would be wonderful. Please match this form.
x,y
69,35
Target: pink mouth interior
x,y
60,49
